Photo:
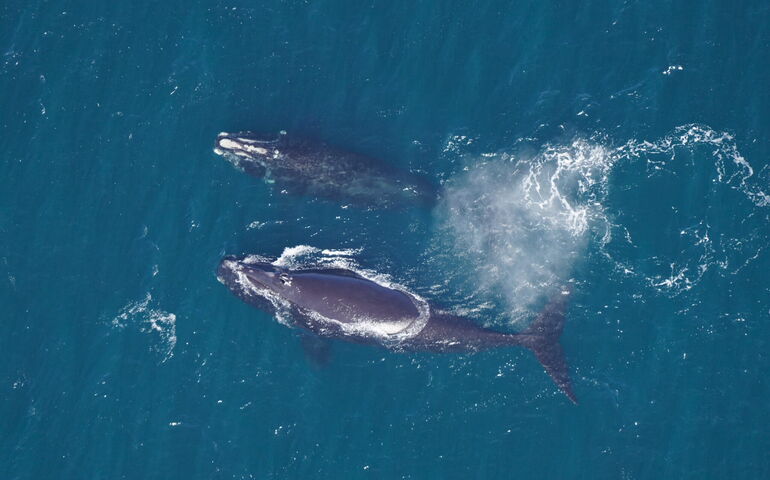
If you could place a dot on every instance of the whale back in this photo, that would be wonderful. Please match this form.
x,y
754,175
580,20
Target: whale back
x,y
345,297
304,166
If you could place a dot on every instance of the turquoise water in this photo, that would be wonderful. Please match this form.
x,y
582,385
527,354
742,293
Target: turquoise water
x,y
621,146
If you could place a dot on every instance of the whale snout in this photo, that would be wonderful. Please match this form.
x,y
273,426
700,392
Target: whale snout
x,y
239,273
251,280
227,270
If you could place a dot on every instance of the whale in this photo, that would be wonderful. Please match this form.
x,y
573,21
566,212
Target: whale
x,y
303,166
342,304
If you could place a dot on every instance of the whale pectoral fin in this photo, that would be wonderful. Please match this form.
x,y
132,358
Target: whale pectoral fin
x,y
542,337
317,350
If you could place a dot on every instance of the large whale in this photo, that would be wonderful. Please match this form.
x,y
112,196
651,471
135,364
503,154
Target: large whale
x,y
340,303
306,167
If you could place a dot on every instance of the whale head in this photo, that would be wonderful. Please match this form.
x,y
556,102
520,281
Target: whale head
x,y
246,144
254,281
248,151
243,144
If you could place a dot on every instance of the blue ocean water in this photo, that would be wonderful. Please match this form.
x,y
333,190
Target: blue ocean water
x,y
620,146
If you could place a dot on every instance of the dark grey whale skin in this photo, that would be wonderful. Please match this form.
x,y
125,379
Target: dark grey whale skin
x,y
345,296
303,166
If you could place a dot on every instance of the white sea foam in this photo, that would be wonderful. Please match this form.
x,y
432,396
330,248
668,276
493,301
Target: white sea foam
x,y
153,321
131,310
730,167
521,221
681,155
672,68
514,225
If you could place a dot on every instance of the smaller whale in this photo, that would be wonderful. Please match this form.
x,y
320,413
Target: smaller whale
x,y
341,304
306,167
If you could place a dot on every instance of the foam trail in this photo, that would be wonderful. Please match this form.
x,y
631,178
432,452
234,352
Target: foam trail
x,y
698,158
730,166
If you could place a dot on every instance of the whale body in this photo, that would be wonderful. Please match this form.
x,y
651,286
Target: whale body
x,y
304,166
341,304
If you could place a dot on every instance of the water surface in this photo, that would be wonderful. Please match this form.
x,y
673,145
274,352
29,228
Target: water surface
x,y
621,146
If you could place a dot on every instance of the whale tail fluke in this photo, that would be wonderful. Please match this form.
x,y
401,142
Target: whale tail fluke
x,y
542,337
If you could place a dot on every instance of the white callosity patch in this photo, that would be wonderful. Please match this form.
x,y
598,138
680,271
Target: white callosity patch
x,y
240,152
240,147
152,321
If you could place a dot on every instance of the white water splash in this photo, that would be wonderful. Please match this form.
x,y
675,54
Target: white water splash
x,y
521,221
155,322
730,167
518,224
305,256
700,159
672,68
